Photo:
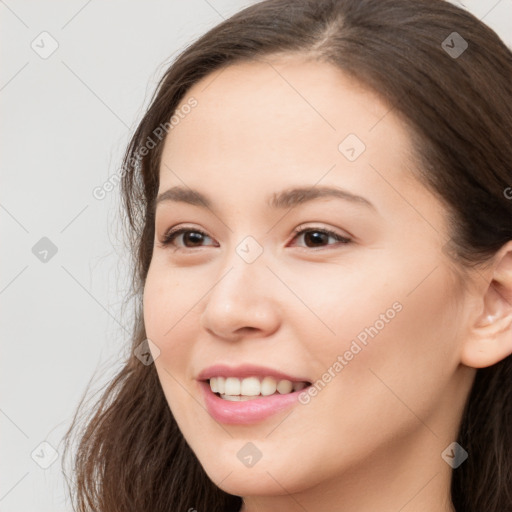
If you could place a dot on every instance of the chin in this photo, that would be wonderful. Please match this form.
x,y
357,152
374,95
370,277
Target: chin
x,y
263,479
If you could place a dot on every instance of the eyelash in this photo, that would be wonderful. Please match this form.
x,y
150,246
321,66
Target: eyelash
x,y
171,234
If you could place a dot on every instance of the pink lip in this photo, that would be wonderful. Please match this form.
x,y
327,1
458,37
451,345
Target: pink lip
x,y
246,412
246,370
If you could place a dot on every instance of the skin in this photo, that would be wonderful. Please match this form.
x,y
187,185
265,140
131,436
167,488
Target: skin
x,y
372,438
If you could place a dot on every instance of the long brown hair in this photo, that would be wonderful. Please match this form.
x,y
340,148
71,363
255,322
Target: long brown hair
x,y
131,455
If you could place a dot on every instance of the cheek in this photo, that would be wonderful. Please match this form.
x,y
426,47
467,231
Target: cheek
x,y
347,309
396,378
398,365
168,313
169,323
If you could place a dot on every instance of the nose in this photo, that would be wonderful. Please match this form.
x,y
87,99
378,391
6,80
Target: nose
x,y
242,301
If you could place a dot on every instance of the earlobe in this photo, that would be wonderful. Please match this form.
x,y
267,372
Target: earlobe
x,y
489,339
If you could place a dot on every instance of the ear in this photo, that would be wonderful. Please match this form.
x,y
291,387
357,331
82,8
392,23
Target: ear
x,y
490,335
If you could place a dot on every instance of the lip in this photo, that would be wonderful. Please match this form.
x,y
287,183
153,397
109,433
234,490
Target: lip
x,y
249,411
246,370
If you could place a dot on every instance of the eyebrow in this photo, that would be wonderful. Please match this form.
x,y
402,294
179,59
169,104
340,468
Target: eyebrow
x,y
285,199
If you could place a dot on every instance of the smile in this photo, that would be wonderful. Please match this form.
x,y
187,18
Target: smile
x,y
250,388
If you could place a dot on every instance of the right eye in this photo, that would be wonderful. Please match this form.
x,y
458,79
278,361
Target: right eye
x,y
192,235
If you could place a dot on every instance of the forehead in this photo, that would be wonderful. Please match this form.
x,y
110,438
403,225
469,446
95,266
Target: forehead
x,y
282,101
264,122
283,98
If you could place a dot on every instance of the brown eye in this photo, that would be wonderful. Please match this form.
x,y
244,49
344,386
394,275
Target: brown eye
x,y
318,236
194,238
191,237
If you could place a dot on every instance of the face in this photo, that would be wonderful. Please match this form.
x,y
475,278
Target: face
x,y
349,292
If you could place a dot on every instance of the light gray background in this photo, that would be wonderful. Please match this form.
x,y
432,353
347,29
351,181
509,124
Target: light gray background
x,y
65,120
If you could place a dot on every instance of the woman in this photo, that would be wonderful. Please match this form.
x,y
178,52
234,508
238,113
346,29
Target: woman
x,y
320,212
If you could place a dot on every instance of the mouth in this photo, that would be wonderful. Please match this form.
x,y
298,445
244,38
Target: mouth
x,y
236,389
250,400
248,393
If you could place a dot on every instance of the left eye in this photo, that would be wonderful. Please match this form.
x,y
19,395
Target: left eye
x,y
320,235
316,236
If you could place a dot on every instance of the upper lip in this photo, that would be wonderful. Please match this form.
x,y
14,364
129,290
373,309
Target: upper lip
x,y
245,370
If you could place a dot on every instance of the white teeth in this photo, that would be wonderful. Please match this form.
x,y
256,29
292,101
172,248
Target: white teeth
x,y
249,387
268,386
284,386
234,389
232,386
237,398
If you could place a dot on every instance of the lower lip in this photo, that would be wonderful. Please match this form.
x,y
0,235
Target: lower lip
x,y
248,411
